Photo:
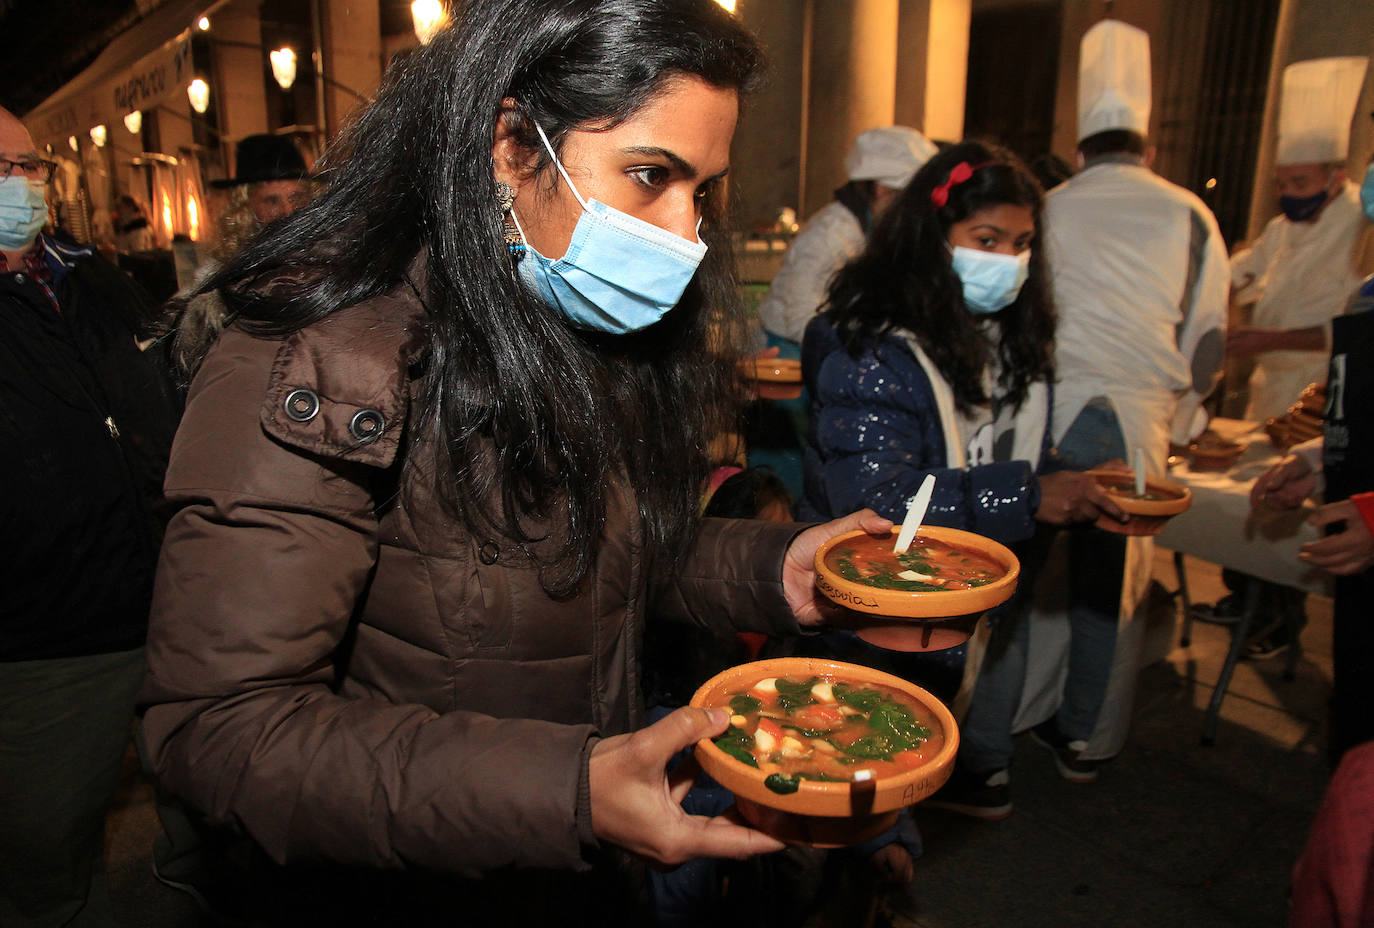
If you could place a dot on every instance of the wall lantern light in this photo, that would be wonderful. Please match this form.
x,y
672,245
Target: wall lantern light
x,y
198,92
283,66
71,140
203,24
429,17
99,136
134,121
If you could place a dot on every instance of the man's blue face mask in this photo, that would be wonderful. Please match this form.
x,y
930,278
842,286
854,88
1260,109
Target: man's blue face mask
x,y
620,274
991,281
1301,209
23,211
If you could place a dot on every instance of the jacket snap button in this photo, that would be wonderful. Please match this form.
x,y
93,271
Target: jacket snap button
x,y
366,426
489,552
302,405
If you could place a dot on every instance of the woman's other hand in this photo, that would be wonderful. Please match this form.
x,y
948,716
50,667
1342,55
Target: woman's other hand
x,y
799,564
1343,553
1284,485
637,804
1068,496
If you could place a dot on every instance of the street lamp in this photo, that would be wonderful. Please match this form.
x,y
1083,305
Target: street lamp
x,y
99,136
283,66
134,121
429,17
198,92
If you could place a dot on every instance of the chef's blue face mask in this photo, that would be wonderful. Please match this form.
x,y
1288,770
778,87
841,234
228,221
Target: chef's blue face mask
x,y
991,281
23,210
620,274
1367,192
1301,209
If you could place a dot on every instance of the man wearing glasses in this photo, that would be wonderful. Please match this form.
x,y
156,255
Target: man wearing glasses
x,y
86,427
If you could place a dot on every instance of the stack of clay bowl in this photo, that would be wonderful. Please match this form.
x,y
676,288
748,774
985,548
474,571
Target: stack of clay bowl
x,y
1303,420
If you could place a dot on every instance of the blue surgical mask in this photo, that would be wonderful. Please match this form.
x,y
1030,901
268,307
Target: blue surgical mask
x,y
1301,209
23,211
620,274
991,281
1367,192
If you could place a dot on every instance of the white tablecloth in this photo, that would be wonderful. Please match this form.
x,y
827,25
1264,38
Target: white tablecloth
x,y
1220,526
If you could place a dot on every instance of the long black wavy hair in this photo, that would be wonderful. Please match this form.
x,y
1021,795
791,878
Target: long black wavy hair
x,y
533,419
905,279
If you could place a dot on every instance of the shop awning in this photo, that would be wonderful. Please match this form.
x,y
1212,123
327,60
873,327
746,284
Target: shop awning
x,y
145,64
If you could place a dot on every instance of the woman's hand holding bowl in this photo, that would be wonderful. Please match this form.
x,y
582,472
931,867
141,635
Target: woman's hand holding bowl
x,y
1068,496
637,805
799,564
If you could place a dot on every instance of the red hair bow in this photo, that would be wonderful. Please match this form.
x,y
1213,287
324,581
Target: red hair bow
x,y
957,175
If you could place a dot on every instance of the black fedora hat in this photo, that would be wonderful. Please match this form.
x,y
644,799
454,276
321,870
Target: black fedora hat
x,y
260,158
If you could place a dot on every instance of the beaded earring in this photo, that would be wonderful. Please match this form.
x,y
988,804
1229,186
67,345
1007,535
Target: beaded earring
x,y
505,199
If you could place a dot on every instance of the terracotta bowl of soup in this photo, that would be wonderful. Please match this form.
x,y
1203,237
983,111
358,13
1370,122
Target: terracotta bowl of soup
x,y
822,752
946,573
1214,453
774,378
1163,500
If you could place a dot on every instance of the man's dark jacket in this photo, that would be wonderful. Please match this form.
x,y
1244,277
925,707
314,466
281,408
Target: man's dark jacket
x,y
87,426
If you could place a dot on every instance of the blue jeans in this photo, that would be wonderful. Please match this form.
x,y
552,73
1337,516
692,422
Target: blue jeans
x,y
1098,562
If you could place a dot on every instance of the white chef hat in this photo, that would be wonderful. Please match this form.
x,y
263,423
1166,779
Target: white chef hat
x,y
1113,79
890,155
1316,108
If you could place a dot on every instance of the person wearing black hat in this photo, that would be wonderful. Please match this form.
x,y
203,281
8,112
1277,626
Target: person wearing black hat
x,y
270,181
270,177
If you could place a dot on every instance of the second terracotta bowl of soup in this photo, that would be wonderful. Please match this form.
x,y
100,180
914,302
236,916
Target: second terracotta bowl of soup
x,y
823,752
774,378
1163,499
946,572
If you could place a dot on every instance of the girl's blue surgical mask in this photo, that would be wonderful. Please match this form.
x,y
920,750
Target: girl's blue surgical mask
x,y
992,281
1367,192
23,210
620,274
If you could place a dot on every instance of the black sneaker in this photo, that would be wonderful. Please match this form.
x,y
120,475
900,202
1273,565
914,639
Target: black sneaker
x,y
224,904
986,797
1072,766
1225,611
1270,641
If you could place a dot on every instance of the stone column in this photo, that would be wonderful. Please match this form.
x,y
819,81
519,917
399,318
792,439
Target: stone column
x,y
767,160
932,66
239,70
350,35
853,81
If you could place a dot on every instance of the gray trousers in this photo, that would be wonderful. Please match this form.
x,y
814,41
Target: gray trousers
x,y
64,729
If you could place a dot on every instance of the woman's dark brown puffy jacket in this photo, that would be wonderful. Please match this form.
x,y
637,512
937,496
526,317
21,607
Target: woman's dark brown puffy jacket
x,y
351,676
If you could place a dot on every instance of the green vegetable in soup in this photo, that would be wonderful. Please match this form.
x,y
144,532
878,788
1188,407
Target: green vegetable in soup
x,y
896,723
738,744
795,695
865,700
888,579
892,728
743,704
782,785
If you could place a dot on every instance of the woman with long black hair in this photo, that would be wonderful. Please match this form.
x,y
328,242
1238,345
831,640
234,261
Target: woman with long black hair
x,y
934,357
444,458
